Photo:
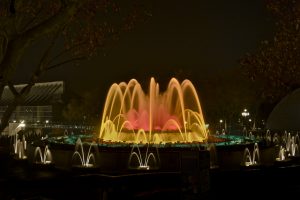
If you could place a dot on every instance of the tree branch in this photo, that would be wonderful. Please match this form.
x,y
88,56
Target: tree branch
x,y
65,51
48,50
3,43
53,22
13,89
66,62
16,46
31,21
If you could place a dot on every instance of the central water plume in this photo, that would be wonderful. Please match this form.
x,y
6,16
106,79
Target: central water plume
x,y
132,116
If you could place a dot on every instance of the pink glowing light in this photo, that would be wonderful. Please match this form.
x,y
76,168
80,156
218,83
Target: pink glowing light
x,y
141,120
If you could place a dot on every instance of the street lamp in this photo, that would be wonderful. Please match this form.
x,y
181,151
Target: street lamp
x,y
245,114
221,121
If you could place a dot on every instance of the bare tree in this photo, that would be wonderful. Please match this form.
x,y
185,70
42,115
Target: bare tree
x,y
74,30
275,66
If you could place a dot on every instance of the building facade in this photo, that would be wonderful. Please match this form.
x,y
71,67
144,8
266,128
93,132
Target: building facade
x,y
43,104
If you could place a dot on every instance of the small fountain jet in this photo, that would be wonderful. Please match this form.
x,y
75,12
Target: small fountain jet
x,y
85,160
253,160
20,145
44,158
281,154
143,163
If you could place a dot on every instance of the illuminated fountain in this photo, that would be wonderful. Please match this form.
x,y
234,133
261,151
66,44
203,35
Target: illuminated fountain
x,y
295,146
132,120
87,160
174,116
290,148
20,146
281,154
250,135
249,160
292,145
276,139
285,137
43,158
143,162
268,137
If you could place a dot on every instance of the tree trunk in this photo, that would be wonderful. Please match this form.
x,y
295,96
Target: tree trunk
x,y
16,48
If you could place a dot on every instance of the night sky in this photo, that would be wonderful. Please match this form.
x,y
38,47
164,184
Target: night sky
x,y
189,39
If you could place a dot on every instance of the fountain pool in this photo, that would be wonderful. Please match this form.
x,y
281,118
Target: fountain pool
x,y
171,120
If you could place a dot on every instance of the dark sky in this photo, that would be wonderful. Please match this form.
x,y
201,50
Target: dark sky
x,y
191,38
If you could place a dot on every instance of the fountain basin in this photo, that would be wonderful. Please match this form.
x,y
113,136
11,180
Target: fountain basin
x,y
113,156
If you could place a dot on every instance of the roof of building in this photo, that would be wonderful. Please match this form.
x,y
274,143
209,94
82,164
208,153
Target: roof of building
x,y
286,114
46,93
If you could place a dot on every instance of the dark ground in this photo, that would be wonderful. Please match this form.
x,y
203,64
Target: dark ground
x,y
20,180
266,182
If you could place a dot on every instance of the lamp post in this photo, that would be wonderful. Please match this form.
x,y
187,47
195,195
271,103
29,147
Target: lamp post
x,y
245,114
221,122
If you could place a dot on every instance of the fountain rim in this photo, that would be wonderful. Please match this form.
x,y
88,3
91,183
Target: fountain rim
x,y
89,139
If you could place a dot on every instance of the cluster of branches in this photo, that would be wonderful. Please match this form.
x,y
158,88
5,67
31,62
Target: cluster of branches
x,y
275,66
74,30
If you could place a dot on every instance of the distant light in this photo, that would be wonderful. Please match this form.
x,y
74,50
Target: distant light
x,y
14,121
47,121
221,121
245,113
250,120
22,124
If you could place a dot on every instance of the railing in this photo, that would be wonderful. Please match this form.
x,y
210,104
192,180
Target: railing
x,y
62,126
